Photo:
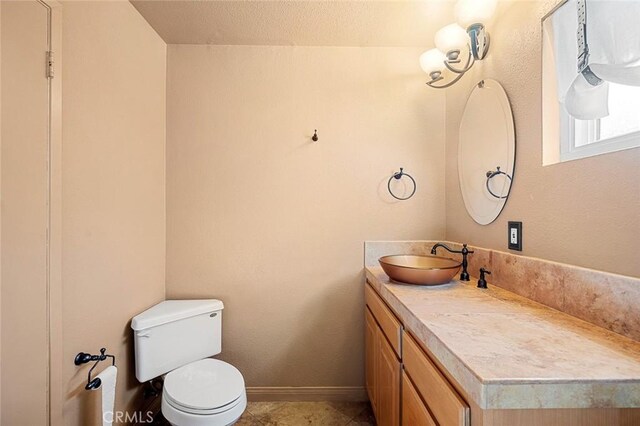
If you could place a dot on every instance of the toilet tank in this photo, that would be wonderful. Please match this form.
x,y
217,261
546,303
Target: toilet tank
x,y
174,333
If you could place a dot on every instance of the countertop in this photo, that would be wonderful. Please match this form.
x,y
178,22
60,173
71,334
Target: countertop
x,y
509,352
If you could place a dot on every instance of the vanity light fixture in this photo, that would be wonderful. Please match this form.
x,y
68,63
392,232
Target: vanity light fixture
x,y
452,41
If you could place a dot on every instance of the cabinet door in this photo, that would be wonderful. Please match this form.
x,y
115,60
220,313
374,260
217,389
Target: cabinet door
x,y
414,412
443,400
370,356
387,383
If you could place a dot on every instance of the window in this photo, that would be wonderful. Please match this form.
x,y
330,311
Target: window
x,y
580,119
619,130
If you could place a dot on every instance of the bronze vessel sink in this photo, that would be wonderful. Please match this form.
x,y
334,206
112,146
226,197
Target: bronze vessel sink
x,y
419,270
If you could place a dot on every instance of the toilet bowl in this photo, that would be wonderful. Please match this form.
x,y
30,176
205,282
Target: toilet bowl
x,y
208,392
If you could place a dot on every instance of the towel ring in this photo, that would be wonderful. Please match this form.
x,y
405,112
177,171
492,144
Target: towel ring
x,y
491,174
398,176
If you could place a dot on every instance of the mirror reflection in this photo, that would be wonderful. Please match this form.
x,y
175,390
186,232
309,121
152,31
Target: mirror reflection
x,y
486,151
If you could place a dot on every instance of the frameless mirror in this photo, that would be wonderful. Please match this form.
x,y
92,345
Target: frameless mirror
x,y
486,151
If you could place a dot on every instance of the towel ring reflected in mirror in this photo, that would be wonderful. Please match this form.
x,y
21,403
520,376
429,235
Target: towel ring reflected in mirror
x,y
491,174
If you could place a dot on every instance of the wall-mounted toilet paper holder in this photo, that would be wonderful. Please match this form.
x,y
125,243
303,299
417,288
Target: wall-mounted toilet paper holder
x,y
83,358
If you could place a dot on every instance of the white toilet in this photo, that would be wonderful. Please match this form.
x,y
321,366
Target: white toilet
x,y
176,338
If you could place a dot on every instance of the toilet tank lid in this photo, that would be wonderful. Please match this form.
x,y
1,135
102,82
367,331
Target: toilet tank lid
x,y
174,310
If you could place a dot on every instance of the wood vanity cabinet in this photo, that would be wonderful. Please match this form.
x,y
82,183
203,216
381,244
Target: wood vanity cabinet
x,y
404,386
407,386
383,368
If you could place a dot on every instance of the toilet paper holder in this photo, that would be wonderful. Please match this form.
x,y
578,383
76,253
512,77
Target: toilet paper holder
x,y
83,358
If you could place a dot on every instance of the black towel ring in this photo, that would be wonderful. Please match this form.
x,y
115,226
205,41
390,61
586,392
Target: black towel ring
x,y
398,176
491,174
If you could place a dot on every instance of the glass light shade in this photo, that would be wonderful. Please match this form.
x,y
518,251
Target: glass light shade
x,y
469,12
432,60
451,37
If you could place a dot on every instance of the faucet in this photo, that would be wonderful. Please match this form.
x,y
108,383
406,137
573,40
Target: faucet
x,y
464,275
482,282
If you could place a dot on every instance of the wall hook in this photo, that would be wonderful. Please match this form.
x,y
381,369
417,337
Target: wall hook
x,y
315,136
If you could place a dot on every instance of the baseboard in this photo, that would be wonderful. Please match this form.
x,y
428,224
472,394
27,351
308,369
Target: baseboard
x,y
328,393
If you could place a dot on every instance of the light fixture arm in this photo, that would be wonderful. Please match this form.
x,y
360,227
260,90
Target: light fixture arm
x,y
470,61
444,86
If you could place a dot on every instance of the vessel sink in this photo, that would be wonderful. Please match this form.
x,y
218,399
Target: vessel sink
x,y
419,270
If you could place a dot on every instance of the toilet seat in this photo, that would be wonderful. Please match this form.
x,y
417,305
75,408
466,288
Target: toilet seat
x,y
205,387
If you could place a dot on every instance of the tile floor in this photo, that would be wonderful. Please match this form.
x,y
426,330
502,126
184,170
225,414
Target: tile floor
x,y
305,414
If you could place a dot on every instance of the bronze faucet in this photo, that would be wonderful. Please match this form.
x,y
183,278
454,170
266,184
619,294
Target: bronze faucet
x,y
464,275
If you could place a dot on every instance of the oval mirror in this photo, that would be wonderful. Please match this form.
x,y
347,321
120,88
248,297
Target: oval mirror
x,y
486,151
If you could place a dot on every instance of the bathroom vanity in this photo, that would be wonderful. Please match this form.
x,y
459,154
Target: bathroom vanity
x,y
459,355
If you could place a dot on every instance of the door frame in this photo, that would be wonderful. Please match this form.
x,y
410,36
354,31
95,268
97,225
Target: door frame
x,y
54,240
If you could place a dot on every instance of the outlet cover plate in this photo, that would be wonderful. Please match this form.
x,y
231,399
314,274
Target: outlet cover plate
x,y
514,237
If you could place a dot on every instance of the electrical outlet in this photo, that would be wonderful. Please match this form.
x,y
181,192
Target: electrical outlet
x,y
515,236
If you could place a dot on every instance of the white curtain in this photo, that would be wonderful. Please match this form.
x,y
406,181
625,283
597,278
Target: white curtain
x,y
613,36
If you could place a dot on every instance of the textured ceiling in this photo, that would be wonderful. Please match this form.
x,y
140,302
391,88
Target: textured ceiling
x,y
297,23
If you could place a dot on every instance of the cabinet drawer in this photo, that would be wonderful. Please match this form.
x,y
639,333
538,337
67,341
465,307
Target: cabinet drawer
x,y
448,408
389,324
414,412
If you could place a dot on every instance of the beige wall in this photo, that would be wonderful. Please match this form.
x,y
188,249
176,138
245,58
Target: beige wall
x,y
583,212
274,224
114,69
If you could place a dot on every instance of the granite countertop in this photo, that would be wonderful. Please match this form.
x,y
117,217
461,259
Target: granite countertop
x,y
509,352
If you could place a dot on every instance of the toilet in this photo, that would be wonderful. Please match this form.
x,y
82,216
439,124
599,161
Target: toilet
x,y
176,339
